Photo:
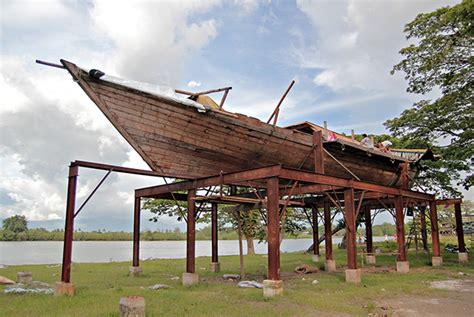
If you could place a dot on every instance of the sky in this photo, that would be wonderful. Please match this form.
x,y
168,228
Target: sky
x,y
340,54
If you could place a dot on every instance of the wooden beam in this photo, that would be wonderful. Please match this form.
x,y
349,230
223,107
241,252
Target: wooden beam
x,y
349,213
228,178
273,229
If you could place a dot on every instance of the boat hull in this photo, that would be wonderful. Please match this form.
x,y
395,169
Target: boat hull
x,y
178,141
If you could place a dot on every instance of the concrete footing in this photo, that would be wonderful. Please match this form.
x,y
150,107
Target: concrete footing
x,y
315,258
272,288
135,271
371,259
132,306
215,267
24,277
436,261
190,279
64,289
330,266
403,266
353,275
462,257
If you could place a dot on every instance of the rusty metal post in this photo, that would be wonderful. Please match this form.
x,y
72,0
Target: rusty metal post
x,y
437,260
368,230
327,231
136,233
191,233
315,231
214,232
349,212
424,234
69,225
402,254
273,229
459,228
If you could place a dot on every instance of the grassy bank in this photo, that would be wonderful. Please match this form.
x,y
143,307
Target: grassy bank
x,y
100,286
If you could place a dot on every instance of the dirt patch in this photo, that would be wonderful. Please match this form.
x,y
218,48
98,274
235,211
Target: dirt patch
x,y
457,301
455,285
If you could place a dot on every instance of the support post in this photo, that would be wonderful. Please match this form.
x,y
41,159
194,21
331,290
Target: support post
x,y
353,275
402,263
273,285
368,236
462,255
424,234
136,270
330,264
315,257
436,259
318,152
215,266
65,287
190,277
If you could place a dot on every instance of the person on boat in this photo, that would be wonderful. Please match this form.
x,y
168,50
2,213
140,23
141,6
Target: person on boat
x,y
386,146
366,141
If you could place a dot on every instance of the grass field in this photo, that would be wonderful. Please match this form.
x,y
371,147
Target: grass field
x,y
100,286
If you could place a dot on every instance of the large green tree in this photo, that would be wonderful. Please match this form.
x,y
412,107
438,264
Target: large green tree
x,y
441,59
15,224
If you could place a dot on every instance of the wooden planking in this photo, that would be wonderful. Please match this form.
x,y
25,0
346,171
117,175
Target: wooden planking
x,y
224,140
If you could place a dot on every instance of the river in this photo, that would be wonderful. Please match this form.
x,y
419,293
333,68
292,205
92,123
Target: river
x,y
50,252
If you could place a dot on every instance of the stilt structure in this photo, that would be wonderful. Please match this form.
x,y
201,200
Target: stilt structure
x,y
330,264
368,236
215,265
315,256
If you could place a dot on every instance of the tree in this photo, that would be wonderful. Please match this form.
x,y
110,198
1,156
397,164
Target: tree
x,y
441,59
15,224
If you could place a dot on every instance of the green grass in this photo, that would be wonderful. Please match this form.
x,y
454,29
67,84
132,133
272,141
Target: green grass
x,y
100,286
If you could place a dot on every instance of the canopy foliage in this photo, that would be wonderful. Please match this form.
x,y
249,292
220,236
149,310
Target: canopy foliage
x,y
441,61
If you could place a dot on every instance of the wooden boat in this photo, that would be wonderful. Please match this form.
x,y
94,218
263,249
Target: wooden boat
x,y
181,138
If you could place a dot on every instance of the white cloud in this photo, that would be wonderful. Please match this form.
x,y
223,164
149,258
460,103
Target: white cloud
x,y
152,39
356,43
194,84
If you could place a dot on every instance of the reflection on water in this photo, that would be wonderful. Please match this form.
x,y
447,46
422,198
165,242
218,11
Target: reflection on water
x,y
50,252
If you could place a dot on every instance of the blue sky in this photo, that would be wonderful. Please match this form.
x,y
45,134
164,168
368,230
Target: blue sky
x,y
339,52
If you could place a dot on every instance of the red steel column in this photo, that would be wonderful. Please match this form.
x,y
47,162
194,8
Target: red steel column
x,y
273,229
424,234
402,254
349,211
315,230
459,229
69,226
191,233
214,232
368,230
434,229
136,233
327,231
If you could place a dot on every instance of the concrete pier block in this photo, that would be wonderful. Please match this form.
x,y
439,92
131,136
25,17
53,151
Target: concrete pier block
x,y
353,275
371,259
215,267
403,266
64,289
272,288
135,271
132,306
463,257
315,258
24,277
190,279
330,266
436,261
